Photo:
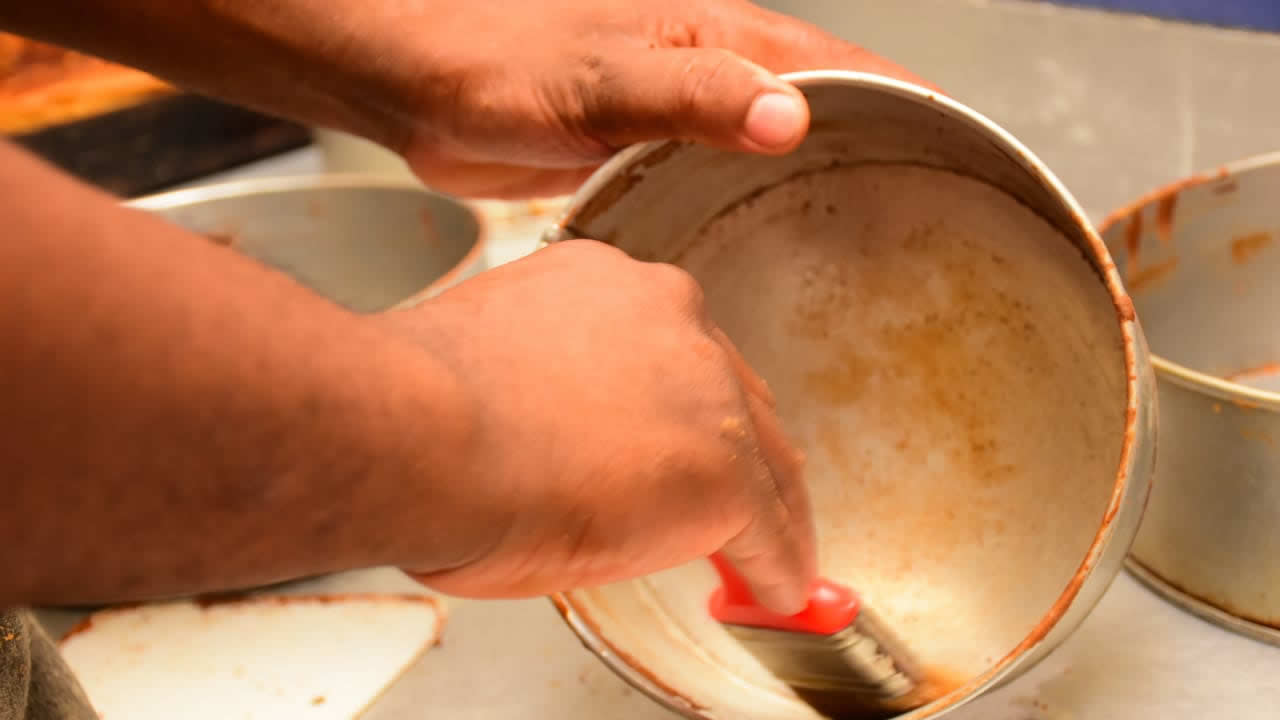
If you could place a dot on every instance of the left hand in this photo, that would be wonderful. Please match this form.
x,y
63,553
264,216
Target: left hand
x,y
521,99
484,99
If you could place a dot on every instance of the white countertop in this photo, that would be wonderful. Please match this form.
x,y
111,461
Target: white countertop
x,y
1134,657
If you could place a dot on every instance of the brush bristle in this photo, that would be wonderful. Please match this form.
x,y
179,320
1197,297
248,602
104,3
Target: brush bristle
x,y
861,660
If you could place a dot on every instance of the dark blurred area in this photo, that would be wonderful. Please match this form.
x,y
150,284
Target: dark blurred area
x,y
1250,14
121,129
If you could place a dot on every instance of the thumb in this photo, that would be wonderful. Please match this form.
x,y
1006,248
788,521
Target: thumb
x,y
705,95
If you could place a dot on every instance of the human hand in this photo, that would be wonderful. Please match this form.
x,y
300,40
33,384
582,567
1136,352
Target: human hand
x,y
619,432
529,98
482,99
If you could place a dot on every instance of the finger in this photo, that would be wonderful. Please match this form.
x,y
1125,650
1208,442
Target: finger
x,y
499,181
782,43
750,379
777,552
705,95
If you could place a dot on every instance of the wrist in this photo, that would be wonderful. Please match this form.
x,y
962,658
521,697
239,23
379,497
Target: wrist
x,y
438,501
310,68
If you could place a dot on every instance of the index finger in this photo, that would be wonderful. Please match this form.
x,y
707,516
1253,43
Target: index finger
x,y
776,553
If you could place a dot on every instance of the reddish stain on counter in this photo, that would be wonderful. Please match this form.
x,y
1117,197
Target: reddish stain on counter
x,y
1133,241
1148,277
1165,210
1254,373
1245,247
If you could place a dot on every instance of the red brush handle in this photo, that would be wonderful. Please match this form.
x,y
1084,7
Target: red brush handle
x,y
831,608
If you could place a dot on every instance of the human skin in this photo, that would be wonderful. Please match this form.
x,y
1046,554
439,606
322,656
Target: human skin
x,y
568,419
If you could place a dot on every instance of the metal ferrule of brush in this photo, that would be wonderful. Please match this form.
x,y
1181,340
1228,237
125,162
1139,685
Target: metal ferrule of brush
x,y
860,658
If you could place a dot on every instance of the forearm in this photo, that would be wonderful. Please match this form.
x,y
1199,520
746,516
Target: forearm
x,y
285,57
177,418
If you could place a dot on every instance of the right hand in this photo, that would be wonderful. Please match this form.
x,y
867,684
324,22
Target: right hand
x,y
619,432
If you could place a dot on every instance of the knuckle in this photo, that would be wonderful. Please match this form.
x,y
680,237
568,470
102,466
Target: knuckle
x,y
584,101
580,104
677,35
694,466
678,286
709,451
575,245
596,107
763,525
584,247
460,96
702,76
707,353
773,501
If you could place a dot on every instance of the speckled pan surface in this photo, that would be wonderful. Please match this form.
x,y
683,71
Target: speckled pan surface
x,y
1201,259
949,342
366,242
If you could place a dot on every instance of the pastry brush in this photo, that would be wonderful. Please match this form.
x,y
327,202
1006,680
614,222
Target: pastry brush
x,y
836,650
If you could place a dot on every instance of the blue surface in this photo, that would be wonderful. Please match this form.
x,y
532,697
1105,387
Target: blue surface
x,y
1251,14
